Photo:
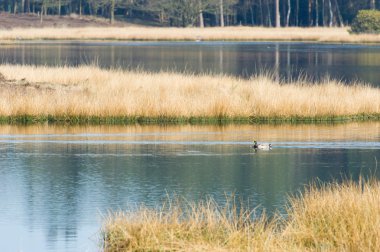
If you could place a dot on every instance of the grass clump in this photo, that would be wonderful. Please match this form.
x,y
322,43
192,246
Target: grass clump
x,y
328,217
336,217
186,226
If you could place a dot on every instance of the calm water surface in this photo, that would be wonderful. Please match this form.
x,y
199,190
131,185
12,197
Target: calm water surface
x,y
286,60
57,182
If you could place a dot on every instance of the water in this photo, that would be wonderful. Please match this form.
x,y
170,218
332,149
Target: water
x,y
57,182
286,60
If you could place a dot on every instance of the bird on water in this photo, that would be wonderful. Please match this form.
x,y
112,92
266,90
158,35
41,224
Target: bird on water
x,y
262,146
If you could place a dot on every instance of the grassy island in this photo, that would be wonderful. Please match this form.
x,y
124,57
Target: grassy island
x,y
90,94
142,33
330,217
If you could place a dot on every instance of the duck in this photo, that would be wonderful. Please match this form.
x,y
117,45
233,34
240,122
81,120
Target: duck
x,y
262,146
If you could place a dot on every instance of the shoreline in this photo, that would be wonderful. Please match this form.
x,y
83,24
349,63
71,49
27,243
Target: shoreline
x,y
122,42
170,34
142,120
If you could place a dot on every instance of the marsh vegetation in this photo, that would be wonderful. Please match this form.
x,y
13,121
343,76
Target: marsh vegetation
x,y
333,217
64,93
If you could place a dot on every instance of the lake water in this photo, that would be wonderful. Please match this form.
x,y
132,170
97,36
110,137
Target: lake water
x,y
286,60
56,182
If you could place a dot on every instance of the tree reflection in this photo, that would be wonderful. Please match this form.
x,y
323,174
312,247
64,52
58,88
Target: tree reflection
x,y
286,60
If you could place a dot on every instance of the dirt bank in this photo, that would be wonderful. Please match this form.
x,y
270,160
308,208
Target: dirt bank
x,y
24,87
10,21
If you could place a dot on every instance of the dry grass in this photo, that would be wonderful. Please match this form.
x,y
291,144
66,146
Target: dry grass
x,y
186,226
90,91
335,217
191,34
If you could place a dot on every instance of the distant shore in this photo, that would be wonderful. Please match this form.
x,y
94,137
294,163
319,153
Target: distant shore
x,y
26,27
88,94
237,33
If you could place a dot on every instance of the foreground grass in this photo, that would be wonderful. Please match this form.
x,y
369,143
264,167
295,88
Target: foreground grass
x,y
336,35
334,217
90,94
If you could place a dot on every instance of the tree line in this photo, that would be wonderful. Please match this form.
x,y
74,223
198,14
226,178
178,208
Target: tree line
x,y
203,13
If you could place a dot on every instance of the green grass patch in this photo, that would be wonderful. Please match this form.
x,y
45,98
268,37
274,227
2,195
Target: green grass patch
x,y
125,120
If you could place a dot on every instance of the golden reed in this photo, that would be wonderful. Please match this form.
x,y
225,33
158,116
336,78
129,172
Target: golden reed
x,y
330,217
91,91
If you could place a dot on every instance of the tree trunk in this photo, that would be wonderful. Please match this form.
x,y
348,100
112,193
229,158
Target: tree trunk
x,y
297,12
331,15
310,19
339,14
323,13
269,17
277,6
80,8
27,6
112,10
90,9
6,5
42,13
288,15
261,12
162,17
201,20
221,13
373,4
245,13
59,7
252,17
183,20
284,12
15,7
23,6
316,13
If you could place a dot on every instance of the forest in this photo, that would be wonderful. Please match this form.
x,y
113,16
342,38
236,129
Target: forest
x,y
203,13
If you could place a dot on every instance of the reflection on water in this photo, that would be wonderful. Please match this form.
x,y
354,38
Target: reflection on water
x,y
286,60
57,181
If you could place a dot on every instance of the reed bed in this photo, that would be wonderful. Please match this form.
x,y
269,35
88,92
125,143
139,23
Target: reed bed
x,y
240,33
88,91
329,217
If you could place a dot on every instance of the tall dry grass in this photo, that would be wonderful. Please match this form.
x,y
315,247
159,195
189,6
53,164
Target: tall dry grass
x,y
334,217
338,217
186,226
90,91
191,34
